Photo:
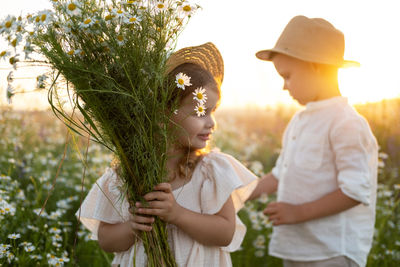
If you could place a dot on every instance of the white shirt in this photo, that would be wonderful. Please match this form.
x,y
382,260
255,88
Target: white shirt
x,y
327,146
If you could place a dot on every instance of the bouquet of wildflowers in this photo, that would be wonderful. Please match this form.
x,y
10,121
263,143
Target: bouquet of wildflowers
x,y
110,57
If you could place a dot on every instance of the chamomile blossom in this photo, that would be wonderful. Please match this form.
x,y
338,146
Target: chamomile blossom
x,y
131,19
200,110
186,8
160,6
44,17
182,80
41,81
14,236
120,39
8,24
199,95
4,54
86,23
73,8
133,2
118,13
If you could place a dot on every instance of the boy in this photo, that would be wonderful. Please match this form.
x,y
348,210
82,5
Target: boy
x,y
326,173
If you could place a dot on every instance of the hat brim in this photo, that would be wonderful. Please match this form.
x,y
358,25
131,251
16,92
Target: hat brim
x,y
267,56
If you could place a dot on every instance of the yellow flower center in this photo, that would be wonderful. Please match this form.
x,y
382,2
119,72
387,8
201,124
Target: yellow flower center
x,y
19,28
181,81
31,33
132,19
87,21
43,18
37,19
160,6
14,42
199,96
120,11
7,209
71,7
71,52
109,17
200,109
2,54
131,2
8,24
120,38
187,8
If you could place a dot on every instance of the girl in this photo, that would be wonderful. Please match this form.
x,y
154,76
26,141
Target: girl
x,y
205,189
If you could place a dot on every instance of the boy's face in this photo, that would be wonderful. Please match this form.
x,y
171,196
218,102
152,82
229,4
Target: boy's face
x,y
300,78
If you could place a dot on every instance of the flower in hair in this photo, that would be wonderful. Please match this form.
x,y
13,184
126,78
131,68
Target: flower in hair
x,y
199,95
200,109
182,80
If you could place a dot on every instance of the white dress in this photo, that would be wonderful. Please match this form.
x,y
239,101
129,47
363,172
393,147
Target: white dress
x,y
216,177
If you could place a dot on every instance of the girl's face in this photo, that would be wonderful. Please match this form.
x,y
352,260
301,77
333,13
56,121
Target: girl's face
x,y
194,131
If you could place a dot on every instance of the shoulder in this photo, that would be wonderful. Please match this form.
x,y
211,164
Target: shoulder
x,y
216,158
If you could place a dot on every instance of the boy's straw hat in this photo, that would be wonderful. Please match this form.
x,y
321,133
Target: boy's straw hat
x,y
206,56
310,39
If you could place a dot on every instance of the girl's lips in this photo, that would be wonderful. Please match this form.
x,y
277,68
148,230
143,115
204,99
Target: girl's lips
x,y
204,137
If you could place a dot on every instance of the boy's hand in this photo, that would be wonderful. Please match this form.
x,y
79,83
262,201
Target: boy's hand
x,y
283,213
161,203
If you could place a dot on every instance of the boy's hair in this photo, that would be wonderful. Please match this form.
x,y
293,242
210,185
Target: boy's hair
x,y
199,77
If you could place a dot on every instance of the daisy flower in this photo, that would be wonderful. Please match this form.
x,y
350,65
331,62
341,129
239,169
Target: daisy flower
x,y
44,17
187,9
8,24
118,13
73,8
4,54
182,80
200,110
160,6
199,95
134,2
87,23
132,19
14,236
120,39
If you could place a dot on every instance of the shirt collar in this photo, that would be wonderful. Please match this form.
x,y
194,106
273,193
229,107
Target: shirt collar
x,y
325,103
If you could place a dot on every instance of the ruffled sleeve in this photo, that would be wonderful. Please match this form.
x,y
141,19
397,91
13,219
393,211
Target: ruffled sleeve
x,y
104,202
224,177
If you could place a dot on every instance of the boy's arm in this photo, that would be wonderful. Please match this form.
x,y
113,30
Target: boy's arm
x,y
332,203
267,184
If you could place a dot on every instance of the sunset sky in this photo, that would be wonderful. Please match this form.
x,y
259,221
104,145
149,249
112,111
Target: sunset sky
x,y
241,28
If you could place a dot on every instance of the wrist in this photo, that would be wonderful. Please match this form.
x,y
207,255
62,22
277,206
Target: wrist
x,y
301,213
177,214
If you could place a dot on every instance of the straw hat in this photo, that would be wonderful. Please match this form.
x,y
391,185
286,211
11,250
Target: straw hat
x,y
310,39
206,56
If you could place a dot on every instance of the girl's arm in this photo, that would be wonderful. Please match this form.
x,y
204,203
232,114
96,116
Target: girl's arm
x,y
211,230
121,236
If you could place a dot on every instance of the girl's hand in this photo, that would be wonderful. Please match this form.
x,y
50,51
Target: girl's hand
x,y
140,223
283,213
161,203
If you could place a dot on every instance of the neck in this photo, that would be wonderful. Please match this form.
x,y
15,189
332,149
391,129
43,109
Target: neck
x,y
173,159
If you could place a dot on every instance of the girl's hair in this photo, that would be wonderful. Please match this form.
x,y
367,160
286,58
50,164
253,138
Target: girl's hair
x,y
199,77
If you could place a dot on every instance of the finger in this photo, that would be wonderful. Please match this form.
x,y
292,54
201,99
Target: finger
x,y
166,187
155,212
141,227
155,195
143,219
269,211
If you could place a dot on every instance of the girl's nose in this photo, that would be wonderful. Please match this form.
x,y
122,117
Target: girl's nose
x,y
210,122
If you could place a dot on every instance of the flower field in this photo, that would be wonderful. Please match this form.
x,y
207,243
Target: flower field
x,y
45,172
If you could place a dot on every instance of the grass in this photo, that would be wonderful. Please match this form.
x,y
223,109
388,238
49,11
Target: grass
x,y
33,146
